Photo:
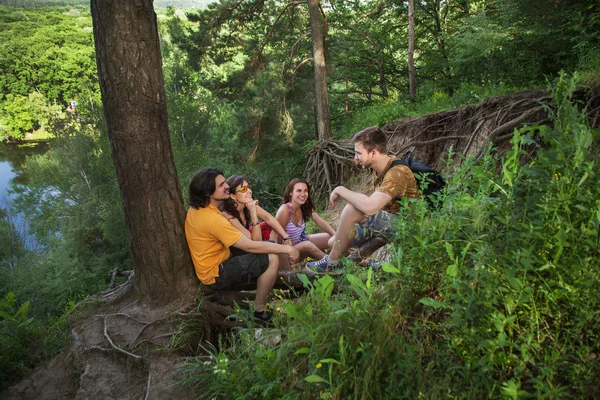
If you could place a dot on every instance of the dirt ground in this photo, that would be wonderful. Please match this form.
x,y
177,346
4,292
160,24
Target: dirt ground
x,y
116,352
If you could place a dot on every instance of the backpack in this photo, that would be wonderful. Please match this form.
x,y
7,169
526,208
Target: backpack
x,y
428,179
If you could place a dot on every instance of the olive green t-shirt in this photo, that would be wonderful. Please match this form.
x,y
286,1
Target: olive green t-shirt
x,y
398,181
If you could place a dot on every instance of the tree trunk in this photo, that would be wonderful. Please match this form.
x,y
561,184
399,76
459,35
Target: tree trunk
x,y
412,85
382,80
320,68
133,94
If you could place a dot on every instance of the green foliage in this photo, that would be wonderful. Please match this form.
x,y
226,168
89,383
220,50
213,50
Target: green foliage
x,y
47,58
16,336
24,341
496,262
73,204
522,42
21,114
494,295
13,248
429,101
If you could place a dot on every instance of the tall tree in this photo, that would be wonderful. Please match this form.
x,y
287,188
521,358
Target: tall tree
x,y
133,94
320,68
435,20
411,49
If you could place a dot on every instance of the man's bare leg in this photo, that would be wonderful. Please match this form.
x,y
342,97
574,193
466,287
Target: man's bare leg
x,y
265,283
284,262
345,232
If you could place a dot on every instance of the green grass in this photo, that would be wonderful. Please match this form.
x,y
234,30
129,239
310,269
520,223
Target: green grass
x,y
39,135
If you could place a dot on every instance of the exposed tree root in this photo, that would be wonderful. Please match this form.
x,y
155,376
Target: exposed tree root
x,y
148,381
466,131
146,326
114,293
110,342
329,164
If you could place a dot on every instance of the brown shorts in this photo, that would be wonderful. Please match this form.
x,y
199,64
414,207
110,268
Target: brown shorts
x,y
240,268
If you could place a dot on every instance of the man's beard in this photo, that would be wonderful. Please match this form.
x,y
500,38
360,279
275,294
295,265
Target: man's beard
x,y
367,164
223,199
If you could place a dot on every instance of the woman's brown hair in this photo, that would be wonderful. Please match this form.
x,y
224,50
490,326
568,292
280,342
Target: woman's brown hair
x,y
308,207
229,205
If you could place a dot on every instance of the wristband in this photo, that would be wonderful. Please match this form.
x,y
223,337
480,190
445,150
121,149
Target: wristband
x,y
287,238
254,223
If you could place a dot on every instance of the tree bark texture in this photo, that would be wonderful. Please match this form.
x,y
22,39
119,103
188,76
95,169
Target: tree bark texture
x,y
133,94
412,85
320,69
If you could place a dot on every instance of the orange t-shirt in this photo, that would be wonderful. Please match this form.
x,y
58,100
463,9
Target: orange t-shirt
x,y
209,236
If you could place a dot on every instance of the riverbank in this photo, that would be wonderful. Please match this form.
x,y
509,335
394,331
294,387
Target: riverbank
x,y
39,136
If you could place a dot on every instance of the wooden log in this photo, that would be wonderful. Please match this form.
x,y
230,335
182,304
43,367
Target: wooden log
x,y
368,248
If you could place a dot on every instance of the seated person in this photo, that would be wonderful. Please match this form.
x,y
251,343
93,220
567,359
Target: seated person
x,y
244,213
296,208
210,238
367,215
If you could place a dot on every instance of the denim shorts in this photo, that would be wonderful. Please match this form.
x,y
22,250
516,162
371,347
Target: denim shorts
x,y
379,224
240,268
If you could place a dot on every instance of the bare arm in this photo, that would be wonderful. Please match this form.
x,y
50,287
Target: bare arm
x,y
282,216
273,223
321,223
237,224
252,246
368,205
256,233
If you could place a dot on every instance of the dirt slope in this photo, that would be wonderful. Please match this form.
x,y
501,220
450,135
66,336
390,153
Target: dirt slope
x,y
134,366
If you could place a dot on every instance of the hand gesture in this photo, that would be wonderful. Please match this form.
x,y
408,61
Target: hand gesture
x,y
333,197
294,255
251,206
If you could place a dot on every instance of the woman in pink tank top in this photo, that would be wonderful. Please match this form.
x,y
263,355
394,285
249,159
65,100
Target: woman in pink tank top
x,y
296,208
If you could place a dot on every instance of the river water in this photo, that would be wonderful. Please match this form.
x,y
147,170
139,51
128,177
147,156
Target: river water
x,y
13,170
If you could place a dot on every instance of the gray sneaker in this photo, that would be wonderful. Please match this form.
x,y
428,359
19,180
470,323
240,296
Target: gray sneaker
x,y
323,265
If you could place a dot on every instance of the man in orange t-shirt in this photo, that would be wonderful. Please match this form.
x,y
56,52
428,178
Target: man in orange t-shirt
x,y
364,215
222,255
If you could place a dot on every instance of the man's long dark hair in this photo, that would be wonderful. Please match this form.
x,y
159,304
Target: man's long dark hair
x,y
229,205
308,207
202,186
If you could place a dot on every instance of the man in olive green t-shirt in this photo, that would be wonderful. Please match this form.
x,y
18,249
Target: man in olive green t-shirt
x,y
372,214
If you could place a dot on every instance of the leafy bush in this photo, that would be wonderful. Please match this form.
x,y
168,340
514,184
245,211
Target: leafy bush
x,y
493,295
16,338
